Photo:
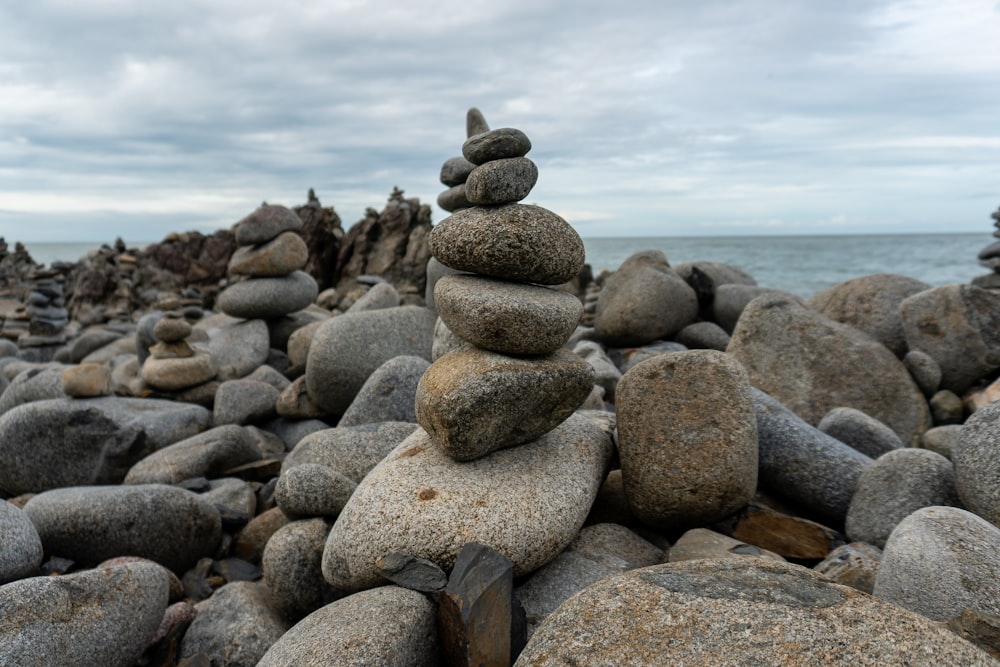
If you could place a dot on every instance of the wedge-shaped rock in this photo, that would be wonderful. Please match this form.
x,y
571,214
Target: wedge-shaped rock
x,y
473,401
507,317
528,503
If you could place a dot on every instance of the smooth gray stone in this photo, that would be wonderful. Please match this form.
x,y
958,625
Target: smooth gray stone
x,y
870,304
453,199
606,374
35,384
445,341
474,401
942,439
507,317
292,565
72,442
504,142
271,376
946,408
519,242
475,122
976,457
350,450
435,271
643,301
144,338
244,402
732,298
237,347
502,181
90,524
455,170
418,574
106,616
348,348
205,454
382,295
959,327
940,561
803,464
711,611
265,223
389,393
313,489
234,627
703,336
20,545
859,430
90,341
291,431
389,626
233,494
925,371
265,298
893,487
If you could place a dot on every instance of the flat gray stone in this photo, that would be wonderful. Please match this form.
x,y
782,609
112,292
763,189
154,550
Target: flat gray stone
x,y
732,298
205,454
801,463
106,616
268,297
526,502
473,401
350,450
388,394
455,170
897,484
504,142
687,438
348,348
813,364
643,301
942,439
453,199
859,430
72,442
244,402
33,384
940,561
20,548
507,317
238,347
977,463
384,626
517,242
502,181
313,489
265,223
90,524
292,568
178,373
703,336
236,626
382,295
695,612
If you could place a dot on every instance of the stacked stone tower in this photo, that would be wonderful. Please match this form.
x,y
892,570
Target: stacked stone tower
x,y
990,258
173,364
49,317
456,170
271,253
514,380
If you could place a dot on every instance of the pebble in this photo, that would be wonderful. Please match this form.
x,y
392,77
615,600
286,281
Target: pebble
x,y
501,181
505,142
292,563
105,616
382,295
925,371
383,626
238,347
473,401
175,374
244,402
703,336
941,439
89,524
704,543
518,242
687,438
86,381
894,486
526,502
862,432
455,171
313,489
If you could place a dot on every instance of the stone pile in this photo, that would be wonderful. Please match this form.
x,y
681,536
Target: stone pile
x,y
46,308
456,170
271,254
990,258
173,364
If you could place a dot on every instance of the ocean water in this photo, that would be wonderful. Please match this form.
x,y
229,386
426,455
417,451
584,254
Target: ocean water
x,y
803,265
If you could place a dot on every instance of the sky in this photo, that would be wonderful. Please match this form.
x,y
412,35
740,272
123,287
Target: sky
x,y
135,119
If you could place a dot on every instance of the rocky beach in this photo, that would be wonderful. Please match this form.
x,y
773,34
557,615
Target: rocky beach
x,y
406,443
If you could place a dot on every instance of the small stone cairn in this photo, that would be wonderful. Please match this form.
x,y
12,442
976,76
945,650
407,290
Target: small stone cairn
x,y
173,364
46,306
990,258
513,381
271,253
456,170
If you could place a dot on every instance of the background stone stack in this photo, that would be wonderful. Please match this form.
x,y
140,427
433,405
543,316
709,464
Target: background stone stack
x,y
173,364
271,253
456,170
49,317
514,381
990,258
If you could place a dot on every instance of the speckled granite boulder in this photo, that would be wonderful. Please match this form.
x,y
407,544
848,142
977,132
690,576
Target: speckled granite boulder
x,y
312,489
976,456
350,450
526,502
106,616
742,612
20,547
940,561
389,626
292,565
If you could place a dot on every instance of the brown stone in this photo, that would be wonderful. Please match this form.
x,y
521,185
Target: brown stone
x,y
87,380
280,256
789,536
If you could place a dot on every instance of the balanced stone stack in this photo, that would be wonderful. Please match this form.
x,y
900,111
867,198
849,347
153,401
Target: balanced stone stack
x,y
271,254
514,381
456,170
46,308
173,364
990,258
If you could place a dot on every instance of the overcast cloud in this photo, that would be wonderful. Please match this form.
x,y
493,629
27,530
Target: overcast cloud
x,y
695,117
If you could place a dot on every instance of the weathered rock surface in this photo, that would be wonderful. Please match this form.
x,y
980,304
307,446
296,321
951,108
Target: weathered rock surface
x,y
859,430
526,502
263,298
292,568
388,394
205,454
976,457
350,450
21,549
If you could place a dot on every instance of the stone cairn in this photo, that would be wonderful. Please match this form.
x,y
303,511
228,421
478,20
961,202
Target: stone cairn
x,y
990,258
46,308
513,380
455,171
173,365
271,254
